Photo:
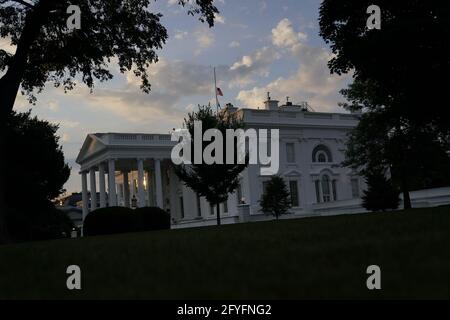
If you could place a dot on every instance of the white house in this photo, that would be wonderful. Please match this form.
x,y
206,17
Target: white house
x,y
140,173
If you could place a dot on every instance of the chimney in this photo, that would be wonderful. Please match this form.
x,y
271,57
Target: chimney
x,y
270,104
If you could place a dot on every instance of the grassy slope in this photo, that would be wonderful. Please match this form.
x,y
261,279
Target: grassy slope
x,y
305,258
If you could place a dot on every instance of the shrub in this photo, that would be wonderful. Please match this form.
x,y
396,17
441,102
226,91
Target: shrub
x,y
275,199
43,222
110,220
381,194
152,218
115,220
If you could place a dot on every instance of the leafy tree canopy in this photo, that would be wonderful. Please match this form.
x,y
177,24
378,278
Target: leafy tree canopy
x,y
126,30
213,181
406,61
36,174
36,166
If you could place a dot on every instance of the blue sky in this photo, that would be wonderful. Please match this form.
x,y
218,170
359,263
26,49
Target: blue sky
x,y
257,46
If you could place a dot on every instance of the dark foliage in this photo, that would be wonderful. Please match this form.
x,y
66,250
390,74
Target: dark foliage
x,y
36,174
381,195
151,218
115,220
110,220
276,198
43,222
213,181
400,83
406,61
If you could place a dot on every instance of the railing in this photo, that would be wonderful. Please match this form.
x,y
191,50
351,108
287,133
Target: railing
x,y
123,138
256,115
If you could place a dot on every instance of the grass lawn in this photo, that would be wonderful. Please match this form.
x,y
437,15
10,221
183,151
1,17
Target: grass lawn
x,y
323,257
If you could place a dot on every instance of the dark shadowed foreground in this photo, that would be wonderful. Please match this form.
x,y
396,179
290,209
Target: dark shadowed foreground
x,y
322,257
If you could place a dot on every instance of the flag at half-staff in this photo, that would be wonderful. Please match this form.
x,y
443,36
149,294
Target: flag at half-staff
x,y
218,91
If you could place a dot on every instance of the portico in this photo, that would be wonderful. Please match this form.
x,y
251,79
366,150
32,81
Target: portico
x,y
133,165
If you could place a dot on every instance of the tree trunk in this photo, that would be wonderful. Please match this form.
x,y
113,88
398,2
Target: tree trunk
x,y
3,229
10,82
218,213
406,197
406,200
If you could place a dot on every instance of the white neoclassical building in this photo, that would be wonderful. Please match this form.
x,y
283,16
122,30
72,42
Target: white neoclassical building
x,y
140,173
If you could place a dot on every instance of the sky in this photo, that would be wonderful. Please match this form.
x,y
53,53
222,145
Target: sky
x,y
256,46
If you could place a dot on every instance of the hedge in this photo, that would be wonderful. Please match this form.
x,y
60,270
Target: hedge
x,y
114,220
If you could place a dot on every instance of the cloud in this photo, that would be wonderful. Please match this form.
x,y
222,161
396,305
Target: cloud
x,y
180,35
205,38
234,44
310,82
5,44
219,19
255,65
174,82
284,36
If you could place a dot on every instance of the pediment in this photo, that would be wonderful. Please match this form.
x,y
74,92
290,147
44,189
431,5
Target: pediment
x,y
292,173
92,145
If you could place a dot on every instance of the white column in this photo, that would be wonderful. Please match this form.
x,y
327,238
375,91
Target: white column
x,y
150,188
158,178
101,180
112,183
126,189
84,194
93,189
141,191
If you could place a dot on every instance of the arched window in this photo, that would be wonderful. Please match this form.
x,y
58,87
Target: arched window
x,y
321,154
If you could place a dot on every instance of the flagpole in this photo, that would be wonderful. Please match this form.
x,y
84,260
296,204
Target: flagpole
x,y
215,90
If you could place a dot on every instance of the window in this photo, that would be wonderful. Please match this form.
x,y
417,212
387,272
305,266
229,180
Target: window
x,y
317,182
293,186
321,157
290,152
355,188
182,207
265,185
333,184
321,154
239,194
326,189
199,207
211,209
225,207
326,196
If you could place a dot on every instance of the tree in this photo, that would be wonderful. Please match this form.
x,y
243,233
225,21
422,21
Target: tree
x,y
36,174
213,181
381,194
405,60
46,51
276,198
398,70
415,155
